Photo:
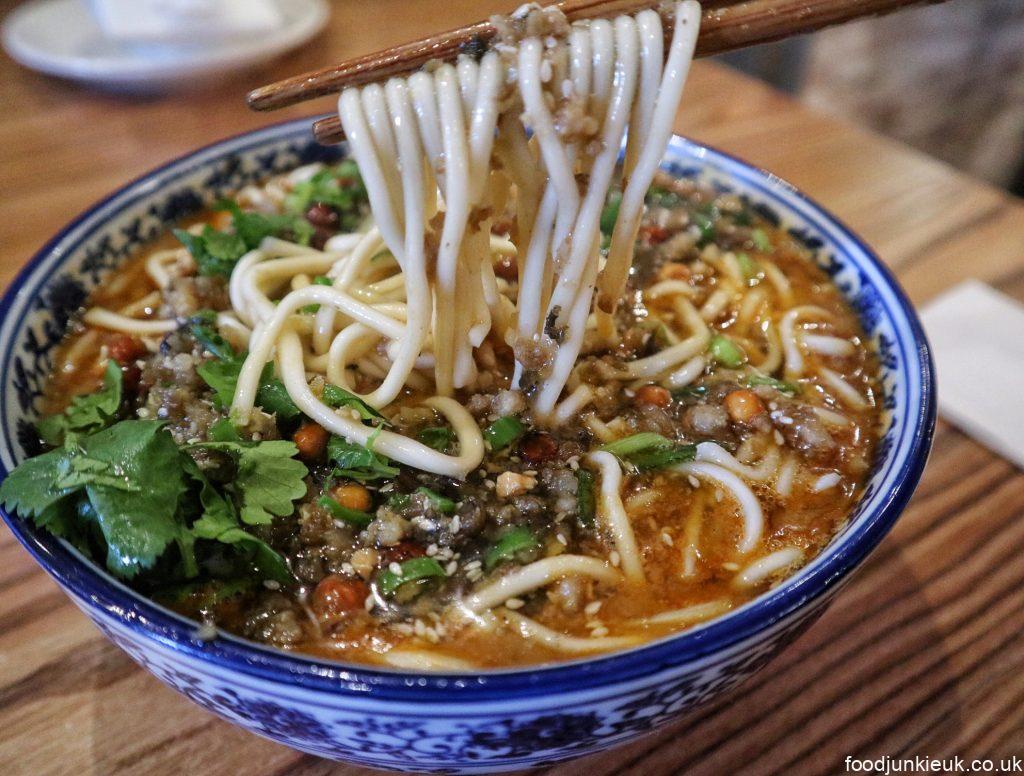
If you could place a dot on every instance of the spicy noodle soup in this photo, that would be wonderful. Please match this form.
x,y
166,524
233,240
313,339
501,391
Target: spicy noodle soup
x,y
529,424
790,423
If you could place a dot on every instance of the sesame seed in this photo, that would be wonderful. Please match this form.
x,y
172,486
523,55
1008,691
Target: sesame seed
x,y
368,603
598,633
719,495
779,439
562,540
456,524
271,584
451,568
615,558
514,603
730,566
431,550
419,627
394,568
592,608
694,482
473,564
666,538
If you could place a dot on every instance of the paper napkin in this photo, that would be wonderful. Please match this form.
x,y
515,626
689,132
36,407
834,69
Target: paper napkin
x,y
977,339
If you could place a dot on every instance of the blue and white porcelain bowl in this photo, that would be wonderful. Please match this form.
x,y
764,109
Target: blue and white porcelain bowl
x,y
493,720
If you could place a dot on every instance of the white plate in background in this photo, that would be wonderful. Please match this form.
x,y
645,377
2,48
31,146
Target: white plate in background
x,y
62,38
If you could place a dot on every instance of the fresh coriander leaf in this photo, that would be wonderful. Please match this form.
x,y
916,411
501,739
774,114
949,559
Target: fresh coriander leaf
x,y
140,522
253,227
359,462
340,188
203,327
219,522
336,397
215,253
31,488
86,414
89,471
273,397
439,438
268,478
222,377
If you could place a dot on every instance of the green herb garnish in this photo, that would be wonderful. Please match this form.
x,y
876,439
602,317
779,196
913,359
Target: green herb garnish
x,y
86,414
340,188
513,543
748,266
216,252
503,432
610,213
439,502
726,352
647,451
359,462
355,517
586,502
782,386
440,438
336,397
412,570
761,240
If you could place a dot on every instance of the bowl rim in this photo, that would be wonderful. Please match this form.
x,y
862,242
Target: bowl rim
x,y
89,583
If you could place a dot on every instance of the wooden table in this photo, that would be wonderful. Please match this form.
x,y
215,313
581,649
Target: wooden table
x,y
921,655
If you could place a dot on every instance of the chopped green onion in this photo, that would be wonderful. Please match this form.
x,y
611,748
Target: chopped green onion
x,y
610,214
586,503
354,517
511,544
646,440
706,224
412,570
782,386
660,197
761,240
440,503
503,432
726,352
690,392
646,451
319,280
748,266
439,438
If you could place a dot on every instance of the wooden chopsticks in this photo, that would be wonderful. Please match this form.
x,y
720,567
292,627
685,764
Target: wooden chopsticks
x,y
726,25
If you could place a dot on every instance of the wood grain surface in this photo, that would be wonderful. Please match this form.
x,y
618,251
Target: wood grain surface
x,y
923,652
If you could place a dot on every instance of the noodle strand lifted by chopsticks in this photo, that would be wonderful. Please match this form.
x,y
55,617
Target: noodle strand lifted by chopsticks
x,y
426,148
